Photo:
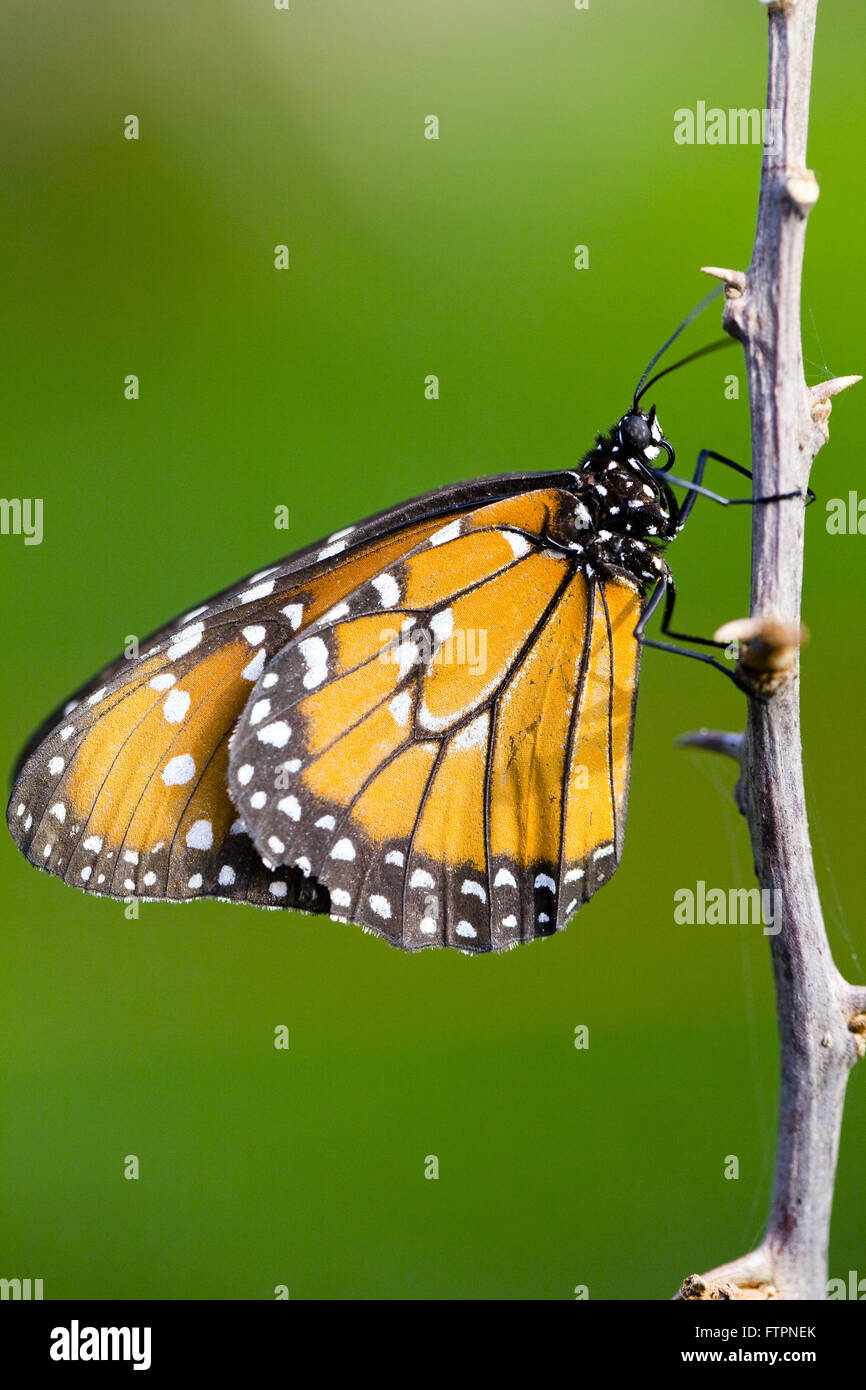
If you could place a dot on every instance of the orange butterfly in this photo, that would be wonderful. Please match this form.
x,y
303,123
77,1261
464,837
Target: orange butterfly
x,y
422,724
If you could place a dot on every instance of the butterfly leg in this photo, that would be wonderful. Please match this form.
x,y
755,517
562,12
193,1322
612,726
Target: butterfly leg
x,y
695,487
666,589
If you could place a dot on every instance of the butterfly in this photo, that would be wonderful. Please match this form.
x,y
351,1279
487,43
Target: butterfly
x,y
421,724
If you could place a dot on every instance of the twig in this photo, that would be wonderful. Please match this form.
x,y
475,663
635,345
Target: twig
x,y
822,1019
715,741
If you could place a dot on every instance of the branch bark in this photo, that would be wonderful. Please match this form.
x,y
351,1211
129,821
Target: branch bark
x,y
822,1026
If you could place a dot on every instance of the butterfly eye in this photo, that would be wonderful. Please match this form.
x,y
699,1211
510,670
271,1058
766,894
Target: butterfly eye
x,y
635,433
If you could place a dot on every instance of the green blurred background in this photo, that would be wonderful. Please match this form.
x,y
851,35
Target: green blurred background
x,y
558,1167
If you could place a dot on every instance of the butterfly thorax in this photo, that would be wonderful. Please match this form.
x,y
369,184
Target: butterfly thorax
x,y
622,512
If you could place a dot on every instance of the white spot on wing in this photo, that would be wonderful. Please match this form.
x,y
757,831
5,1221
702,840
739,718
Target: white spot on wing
x,y
470,887
442,625
401,707
200,835
315,654
175,706
519,544
387,588
474,735
447,533
258,591
276,734
185,640
178,770
408,655
254,668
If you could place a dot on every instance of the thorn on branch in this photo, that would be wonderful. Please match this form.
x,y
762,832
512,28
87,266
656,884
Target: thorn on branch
x,y
825,389
802,190
705,1289
694,1287
767,651
819,396
714,741
857,1026
735,280
720,741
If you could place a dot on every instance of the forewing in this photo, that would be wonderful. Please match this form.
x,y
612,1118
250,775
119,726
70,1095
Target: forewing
x,y
124,791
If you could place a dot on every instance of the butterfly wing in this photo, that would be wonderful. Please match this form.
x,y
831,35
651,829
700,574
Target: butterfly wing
x,y
447,749
124,791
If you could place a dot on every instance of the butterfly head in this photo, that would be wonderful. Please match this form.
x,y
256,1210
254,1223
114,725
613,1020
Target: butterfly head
x,y
632,447
640,436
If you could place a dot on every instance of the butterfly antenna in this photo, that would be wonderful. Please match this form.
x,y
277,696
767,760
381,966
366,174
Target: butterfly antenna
x,y
698,309
700,352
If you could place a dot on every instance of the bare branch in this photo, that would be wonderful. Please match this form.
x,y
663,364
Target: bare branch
x,y
822,1019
